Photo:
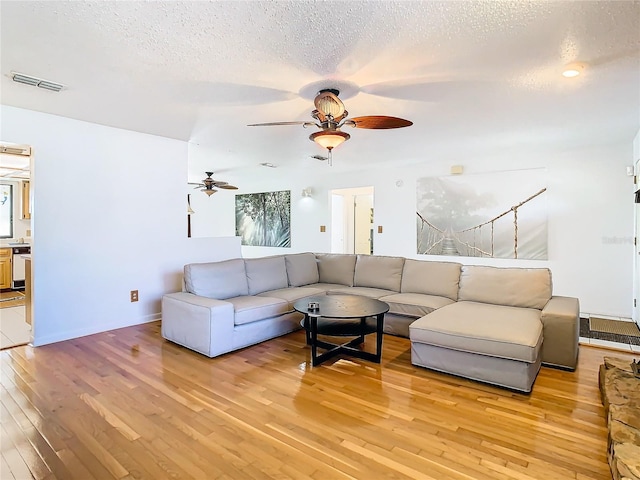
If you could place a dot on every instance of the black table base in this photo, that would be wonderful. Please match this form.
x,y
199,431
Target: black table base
x,y
315,325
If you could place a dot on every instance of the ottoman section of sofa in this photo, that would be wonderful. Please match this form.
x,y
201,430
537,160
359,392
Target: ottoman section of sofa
x,y
491,343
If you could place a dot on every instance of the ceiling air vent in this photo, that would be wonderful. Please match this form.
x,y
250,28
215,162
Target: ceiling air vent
x,y
36,82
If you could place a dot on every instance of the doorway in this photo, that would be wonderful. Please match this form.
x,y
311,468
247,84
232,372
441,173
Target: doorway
x,y
352,220
15,298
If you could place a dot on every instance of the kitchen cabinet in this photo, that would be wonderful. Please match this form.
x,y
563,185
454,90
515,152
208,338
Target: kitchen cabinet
x,y
5,268
26,205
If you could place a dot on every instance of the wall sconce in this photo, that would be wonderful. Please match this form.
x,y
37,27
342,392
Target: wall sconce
x,y
307,192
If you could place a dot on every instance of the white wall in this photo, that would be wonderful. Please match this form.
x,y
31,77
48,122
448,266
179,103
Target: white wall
x,y
590,215
108,216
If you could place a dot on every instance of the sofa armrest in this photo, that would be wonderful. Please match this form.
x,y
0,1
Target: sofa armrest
x,y
202,324
561,330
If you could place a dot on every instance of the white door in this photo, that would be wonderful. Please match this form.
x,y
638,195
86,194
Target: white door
x,y
636,269
362,224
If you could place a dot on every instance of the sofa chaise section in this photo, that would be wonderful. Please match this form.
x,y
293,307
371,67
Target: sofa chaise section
x,y
490,343
497,329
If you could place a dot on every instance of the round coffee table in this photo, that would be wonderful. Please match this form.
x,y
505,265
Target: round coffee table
x,y
342,316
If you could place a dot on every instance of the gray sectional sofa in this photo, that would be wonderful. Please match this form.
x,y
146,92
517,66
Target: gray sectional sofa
x,y
495,325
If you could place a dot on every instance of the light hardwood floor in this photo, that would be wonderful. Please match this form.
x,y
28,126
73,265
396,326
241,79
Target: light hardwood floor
x,y
127,404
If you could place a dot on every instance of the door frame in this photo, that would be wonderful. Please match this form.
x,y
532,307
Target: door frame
x,y
636,249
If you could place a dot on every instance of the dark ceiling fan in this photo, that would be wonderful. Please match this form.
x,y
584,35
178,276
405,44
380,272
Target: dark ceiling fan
x,y
209,185
331,116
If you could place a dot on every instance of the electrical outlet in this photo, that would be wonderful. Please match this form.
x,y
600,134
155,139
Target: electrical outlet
x,y
134,295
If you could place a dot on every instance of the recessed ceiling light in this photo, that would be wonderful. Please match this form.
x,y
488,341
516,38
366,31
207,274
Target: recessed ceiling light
x,y
269,165
36,82
573,70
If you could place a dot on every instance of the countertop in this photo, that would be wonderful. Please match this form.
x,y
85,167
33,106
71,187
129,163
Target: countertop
x,y
12,244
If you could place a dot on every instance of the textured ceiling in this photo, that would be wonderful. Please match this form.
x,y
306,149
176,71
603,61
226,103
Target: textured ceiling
x,y
472,76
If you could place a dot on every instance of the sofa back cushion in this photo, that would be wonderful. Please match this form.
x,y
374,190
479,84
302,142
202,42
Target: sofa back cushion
x,y
431,278
219,280
336,268
269,273
378,272
517,287
302,269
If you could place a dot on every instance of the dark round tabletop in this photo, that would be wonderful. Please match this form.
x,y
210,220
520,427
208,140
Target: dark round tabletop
x,y
342,306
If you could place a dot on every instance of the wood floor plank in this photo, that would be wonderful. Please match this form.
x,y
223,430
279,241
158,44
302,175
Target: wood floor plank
x,y
127,404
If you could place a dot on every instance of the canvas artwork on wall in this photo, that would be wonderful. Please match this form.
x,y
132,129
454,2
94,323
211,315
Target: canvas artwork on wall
x,y
264,219
496,215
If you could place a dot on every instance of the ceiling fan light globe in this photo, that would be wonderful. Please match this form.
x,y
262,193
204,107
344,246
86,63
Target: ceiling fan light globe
x,y
209,191
329,139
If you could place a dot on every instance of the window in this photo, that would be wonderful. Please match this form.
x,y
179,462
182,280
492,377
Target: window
x,y
6,211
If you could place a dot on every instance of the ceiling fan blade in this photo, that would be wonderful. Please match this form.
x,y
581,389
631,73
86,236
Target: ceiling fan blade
x,y
271,124
227,187
380,122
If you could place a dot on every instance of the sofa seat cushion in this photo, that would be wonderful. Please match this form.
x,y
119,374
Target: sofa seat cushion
x,y
361,291
414,305
292,294
253,308
498,331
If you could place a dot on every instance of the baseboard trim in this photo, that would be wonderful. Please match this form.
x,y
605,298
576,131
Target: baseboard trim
x,y
83,332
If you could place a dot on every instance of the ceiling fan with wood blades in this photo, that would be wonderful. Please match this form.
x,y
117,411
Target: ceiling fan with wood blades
x,y
209,185
331,115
